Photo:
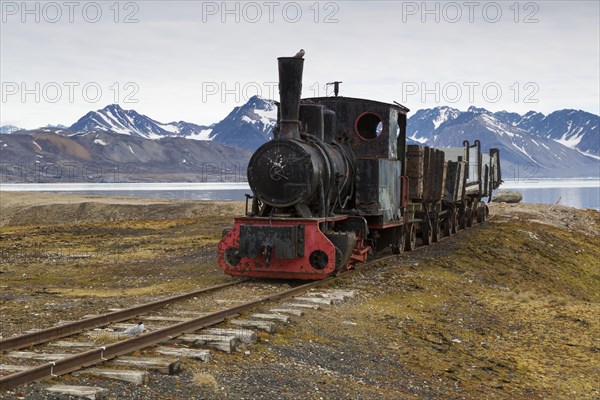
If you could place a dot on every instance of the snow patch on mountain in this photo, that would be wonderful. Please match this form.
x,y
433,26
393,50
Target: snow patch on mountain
x,y
421,140
8,129
202,135
571,138
594,156
443,117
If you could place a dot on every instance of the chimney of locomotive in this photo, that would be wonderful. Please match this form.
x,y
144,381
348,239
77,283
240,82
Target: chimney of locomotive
x,y
290,89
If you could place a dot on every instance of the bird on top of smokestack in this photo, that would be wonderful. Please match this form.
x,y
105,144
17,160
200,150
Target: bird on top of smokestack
x,y
300,54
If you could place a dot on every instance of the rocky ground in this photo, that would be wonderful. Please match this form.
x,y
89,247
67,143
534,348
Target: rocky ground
x,y
504,310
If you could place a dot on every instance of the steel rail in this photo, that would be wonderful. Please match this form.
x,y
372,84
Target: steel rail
x,y
71,328
104,353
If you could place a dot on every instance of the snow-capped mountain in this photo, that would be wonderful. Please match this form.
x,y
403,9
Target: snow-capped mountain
x,y
247,126
9,129
426,121
573,128
113,118
520,149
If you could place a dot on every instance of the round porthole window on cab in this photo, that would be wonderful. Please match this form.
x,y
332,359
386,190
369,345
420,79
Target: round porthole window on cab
x,y
368,126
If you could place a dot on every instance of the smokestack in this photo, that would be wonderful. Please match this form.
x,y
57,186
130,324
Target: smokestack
x,y
290,89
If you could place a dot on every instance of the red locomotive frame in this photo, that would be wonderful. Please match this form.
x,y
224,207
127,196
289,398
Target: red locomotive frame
x,y
314,240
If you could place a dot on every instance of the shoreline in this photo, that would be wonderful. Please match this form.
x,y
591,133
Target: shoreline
x,y
576,193
54,208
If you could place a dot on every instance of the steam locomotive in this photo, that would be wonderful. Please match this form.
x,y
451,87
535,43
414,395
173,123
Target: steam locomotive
x,y
338,182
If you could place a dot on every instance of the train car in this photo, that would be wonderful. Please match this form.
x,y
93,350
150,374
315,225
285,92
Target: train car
x,y
481,177
338,183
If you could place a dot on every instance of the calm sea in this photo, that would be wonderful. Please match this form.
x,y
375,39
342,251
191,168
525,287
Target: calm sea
x,y
579,193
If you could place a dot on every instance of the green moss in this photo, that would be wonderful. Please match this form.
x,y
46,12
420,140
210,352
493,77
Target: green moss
x,y
514,307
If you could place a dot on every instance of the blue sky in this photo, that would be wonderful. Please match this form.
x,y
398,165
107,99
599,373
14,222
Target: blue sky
x,y
195,61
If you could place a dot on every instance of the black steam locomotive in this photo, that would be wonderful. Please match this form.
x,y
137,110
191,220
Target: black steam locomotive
x,y
338,182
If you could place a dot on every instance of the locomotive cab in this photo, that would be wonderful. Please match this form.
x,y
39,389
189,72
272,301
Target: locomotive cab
x,y
376,133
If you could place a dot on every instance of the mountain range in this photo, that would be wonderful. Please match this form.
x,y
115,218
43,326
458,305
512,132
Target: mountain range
x,y
564,143
46,155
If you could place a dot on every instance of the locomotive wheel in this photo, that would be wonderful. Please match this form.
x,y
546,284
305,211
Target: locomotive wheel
x,y
448,226
454,224
426,234
469,217
410,238
338,260
437,230
398,246
481,214
462,220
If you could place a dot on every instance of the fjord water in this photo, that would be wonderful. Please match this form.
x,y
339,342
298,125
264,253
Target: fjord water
x,y
579,193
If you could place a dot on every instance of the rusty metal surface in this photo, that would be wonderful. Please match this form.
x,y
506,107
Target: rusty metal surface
x,y
287,242
290,88
56,332
236,262
415,170
347,113
452,176
494,162
378,190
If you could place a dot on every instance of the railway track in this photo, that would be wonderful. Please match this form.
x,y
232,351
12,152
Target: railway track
x,y
107,352
101,353
71,328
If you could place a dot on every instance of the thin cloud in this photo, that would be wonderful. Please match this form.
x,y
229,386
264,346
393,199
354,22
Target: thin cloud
x,y
375,48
